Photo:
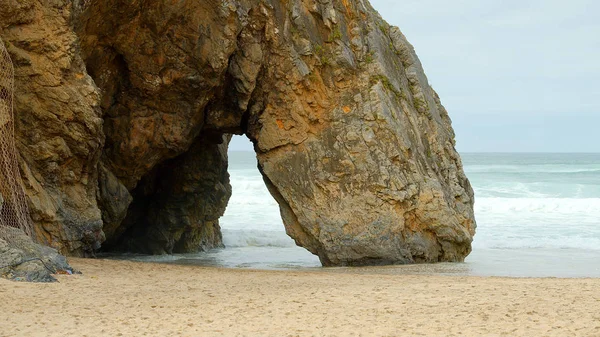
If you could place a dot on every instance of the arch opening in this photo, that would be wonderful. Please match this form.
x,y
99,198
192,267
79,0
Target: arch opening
x,y
208,206
253,232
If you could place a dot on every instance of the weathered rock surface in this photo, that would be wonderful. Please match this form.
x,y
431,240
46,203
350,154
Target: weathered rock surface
x,y
351,140
32,262
24,260
176,208
58,122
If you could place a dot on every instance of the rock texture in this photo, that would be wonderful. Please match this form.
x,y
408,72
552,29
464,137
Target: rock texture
x,y
58,122
33,263
30,261
177,206
351,140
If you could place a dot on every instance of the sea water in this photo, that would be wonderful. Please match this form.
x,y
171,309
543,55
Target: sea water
x,y
537,215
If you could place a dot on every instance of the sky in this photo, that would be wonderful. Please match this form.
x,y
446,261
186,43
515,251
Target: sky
x,y
515,76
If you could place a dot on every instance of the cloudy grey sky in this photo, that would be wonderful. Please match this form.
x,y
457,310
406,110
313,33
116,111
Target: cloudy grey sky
x,y
515,75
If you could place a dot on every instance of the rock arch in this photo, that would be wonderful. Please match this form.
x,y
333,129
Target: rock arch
x,y
351,140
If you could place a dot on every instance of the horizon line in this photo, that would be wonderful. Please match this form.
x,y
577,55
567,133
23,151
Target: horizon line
x,y
486,152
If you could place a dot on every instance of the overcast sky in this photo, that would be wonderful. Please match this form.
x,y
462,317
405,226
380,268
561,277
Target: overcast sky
x,y
515,76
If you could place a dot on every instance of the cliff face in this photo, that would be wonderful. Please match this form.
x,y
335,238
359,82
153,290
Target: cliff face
x,y
58,122
125,110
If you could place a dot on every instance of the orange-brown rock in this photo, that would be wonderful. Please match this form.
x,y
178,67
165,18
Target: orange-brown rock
x,y
58,122
351,140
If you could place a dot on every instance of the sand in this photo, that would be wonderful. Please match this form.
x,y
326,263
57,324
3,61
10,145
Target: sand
x,y
122,298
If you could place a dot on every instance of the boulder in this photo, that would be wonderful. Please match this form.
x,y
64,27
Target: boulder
x,y
23,260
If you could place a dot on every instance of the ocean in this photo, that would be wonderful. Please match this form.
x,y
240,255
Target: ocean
x,y
538,215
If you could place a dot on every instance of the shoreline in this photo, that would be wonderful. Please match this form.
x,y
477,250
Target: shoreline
x,y
115,297
520,263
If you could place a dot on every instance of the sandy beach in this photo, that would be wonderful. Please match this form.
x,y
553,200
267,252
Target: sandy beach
x,y
123,298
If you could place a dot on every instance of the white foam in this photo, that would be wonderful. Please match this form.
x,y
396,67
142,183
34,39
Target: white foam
x,y
513,211
541,206
523,223
495,169
554,189
538,242
256,238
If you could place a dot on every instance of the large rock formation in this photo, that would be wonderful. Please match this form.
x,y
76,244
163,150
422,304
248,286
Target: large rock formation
x,y
125,110
58,122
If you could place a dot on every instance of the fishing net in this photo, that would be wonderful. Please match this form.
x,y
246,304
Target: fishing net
x,y
14,212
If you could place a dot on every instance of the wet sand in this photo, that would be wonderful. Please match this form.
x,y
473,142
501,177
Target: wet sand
x,y
124,298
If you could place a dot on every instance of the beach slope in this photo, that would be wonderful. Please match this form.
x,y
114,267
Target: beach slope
x,y
122,298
